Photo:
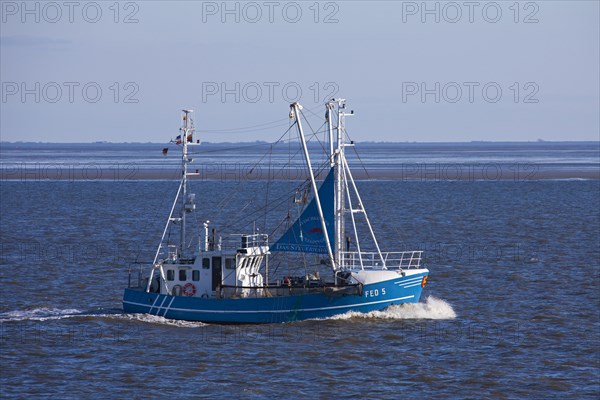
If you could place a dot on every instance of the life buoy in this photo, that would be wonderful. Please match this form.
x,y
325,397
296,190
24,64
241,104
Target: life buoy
x,y
189,289
424,281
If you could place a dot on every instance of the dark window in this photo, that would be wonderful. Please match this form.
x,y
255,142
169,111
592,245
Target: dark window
x,y
230,263
206,263
195,275
182,275
170,275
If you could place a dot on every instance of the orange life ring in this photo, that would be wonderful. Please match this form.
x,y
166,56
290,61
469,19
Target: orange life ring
x,y
424,281
189,289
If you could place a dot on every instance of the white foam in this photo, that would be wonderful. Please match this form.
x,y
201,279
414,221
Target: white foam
x,y
46,314
39,314
432,308
153,319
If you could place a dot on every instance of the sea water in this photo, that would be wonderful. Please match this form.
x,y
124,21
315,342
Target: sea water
x,y
510,309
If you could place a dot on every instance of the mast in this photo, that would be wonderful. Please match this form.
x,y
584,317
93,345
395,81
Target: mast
x,y
339,181
296,109
343,174
334,163
186,204
329,107
187,129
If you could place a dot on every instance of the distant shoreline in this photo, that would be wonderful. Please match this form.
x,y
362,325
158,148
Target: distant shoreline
x,y
259,142
260,161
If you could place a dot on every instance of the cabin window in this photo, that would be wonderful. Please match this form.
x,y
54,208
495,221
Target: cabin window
x,y
196,275
170,275
206,263
230,263
182,275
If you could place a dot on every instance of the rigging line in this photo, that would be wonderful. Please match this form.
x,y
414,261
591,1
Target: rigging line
x,y
281,200
227,199
290,158
239,212
314,113
362,164
303,254
284,219
317,137
284,197
264,155
319,130
266,124
278,201
275,204
301,185
293,156
358,156
224,149
233,148
288,217
276,268
313,131
268,187
289,153
244,220
246,146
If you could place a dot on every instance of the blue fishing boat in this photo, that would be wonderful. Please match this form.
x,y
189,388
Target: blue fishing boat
x,y
225,278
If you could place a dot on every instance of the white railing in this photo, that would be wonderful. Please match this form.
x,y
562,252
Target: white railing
x,y
167,252
391,260
239,241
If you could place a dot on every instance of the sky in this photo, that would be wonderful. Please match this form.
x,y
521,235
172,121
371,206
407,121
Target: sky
x,y
415,71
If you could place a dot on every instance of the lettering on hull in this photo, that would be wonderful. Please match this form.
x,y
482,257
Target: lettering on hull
x,y
374,292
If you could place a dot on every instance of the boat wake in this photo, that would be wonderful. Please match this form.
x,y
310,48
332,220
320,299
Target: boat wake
x,y
49,314
432,308
40,314
153,319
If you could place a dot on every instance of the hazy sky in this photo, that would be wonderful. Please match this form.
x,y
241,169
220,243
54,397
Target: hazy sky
x,y
412,71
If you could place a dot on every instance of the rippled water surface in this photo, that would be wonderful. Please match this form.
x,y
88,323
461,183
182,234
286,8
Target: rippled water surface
x,y
510,309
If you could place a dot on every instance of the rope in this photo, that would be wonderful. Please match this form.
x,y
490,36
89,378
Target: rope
x,y
279,123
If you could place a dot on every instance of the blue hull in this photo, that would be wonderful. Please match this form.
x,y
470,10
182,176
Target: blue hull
x,y
376,296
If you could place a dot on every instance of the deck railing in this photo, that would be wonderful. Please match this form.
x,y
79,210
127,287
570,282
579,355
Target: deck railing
x,y
391,260
239,241
167,252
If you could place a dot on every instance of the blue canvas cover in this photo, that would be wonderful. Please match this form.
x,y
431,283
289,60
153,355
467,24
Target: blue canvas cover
x,y
306,234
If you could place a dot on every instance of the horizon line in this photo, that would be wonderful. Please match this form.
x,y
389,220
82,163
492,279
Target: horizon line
x,y
538,141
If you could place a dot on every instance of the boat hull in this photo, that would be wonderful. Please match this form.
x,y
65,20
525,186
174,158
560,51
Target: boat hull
x,y
374,296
